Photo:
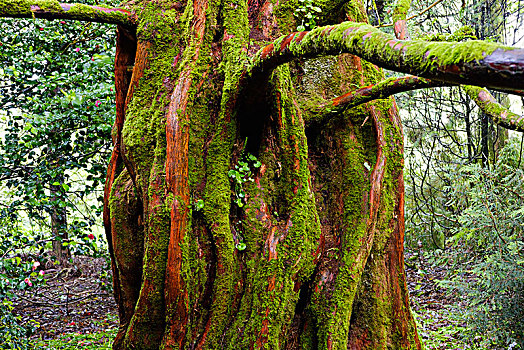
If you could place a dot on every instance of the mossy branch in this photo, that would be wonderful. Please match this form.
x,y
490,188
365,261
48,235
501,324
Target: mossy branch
x,y
383,89
51,9
498,113
473,62
482,97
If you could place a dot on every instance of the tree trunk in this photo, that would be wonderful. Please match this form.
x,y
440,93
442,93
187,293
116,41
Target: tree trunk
x,y
59,224
301,246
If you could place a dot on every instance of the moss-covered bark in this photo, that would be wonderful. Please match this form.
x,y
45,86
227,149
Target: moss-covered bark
x,y
471,62
181,275
308,237
52,9
335,107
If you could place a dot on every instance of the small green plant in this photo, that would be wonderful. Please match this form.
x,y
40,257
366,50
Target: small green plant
x,y
307,14
16,275
242,173
199,205
12,334
239,236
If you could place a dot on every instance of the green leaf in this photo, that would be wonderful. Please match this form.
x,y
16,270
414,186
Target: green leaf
x,y
199,205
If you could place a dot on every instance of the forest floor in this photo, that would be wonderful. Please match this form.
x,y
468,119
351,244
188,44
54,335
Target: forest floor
x,y
432,306
75,302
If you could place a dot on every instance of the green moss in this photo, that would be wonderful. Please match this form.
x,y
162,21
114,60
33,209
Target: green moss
x,y
52,5
280,212
415,57
24,8
498,113
267,286
359,149
144,140
464,33
400,10
123,202
334,314
285,15
355,11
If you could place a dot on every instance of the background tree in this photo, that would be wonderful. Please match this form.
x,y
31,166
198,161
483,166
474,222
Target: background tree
x,y
465,136
56,92
302,248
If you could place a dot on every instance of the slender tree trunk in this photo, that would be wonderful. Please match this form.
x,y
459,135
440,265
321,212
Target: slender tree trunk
x,y
501,134
59,225
484,139
469,136
490,25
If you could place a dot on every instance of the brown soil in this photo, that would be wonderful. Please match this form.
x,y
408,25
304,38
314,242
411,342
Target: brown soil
x,y
74,299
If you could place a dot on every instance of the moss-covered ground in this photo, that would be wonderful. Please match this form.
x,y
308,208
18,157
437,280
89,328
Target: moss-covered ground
x,y
438,324
72,341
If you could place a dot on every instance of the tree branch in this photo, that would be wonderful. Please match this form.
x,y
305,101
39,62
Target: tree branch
x,y
472,62
498,113
383,89
52,9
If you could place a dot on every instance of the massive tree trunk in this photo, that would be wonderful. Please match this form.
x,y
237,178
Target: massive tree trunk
x,y
254,202
319,211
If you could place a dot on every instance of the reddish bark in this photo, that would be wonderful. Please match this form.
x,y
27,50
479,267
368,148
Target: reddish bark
x,y
500,68
177,163
126,48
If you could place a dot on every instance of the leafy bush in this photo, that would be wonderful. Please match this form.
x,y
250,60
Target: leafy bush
x,y
12,334
15,275
481,229
56,112
489,249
